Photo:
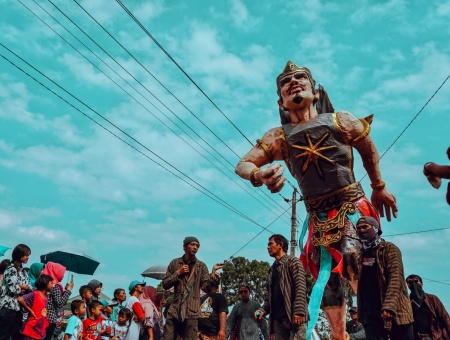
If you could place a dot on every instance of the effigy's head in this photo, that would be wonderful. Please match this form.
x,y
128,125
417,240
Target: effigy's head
x,y
291,69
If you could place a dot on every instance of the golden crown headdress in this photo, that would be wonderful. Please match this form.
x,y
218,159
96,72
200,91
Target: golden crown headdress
x,y
292,68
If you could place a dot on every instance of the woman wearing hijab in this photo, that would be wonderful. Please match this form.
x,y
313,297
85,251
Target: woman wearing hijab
x,y
58,296
34,272
152,322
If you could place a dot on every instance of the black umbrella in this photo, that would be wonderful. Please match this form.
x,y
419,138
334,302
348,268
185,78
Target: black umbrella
x,y
156,272
76,263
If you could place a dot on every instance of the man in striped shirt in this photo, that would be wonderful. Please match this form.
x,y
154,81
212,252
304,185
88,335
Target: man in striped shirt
x,y
286,288
384,308
187,275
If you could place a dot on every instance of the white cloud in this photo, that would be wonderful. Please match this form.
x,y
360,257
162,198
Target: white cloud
x,y
368,11
311,12
241,17
84,71
149,10
206,56
102,10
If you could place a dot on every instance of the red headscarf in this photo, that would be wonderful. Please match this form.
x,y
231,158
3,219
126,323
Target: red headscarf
x,y
56,271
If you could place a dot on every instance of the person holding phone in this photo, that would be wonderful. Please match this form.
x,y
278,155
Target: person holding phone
x,y
58,296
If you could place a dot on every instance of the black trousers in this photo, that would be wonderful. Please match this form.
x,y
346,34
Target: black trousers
x,y
10,323
376,331
50,330
175,330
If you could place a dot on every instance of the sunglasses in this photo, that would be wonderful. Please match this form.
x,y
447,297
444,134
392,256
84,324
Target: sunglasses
x,y
243,291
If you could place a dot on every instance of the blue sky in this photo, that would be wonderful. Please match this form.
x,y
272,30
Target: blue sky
x,y
66,183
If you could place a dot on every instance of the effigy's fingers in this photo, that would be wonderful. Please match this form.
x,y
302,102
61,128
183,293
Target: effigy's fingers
x,y
278,185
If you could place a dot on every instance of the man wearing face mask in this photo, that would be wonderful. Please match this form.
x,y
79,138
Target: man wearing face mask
x,y
431,320
383,304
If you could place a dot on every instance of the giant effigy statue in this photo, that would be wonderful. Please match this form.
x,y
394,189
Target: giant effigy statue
x,y
317,145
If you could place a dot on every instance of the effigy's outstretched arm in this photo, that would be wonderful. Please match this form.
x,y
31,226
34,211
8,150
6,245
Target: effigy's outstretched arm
x,y
383,200
264,152
356,132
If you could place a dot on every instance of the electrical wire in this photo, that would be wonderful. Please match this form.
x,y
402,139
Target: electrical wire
x,y
254,237
412,120
179,67
416,232
217,199
145,108
155,78
444,283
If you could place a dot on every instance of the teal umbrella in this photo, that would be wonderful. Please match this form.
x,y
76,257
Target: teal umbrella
x,y
76,263
3,250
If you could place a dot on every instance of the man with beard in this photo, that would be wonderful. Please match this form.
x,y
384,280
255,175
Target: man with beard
x,y
384,308
431,320
187,275
317,146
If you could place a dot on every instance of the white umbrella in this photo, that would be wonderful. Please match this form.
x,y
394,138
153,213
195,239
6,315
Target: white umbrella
x,y
156,272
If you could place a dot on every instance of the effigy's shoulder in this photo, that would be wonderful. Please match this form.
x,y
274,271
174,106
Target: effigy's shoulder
x,y
273,134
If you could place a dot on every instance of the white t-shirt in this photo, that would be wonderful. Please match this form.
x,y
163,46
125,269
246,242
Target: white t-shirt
x,y
135,327
74,328
120,331
106,322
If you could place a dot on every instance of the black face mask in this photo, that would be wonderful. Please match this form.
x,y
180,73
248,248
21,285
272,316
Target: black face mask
x,y
417,295
367,235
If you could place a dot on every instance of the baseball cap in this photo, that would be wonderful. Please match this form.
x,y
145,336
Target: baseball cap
x,y
135,283
111,303
353,309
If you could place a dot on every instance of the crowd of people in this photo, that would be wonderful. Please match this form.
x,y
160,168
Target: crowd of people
x,y
32,299
343,243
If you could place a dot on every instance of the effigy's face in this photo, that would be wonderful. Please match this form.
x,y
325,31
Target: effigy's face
x,y
296,88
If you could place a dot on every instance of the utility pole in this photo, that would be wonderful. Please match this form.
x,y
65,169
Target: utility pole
x,y
294,222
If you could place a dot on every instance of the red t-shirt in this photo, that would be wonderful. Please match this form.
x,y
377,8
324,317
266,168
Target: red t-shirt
x,y
92,328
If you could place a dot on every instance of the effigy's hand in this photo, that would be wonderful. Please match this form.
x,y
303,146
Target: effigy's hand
x,y
384,201
272,177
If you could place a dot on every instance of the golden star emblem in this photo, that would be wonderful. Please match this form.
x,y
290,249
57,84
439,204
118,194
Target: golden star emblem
x,y
313,152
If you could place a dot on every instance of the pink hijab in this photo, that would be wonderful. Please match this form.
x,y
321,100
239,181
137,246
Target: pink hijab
x,y
147,300
56,271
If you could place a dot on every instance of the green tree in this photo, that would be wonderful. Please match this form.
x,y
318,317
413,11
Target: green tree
x,y
240,270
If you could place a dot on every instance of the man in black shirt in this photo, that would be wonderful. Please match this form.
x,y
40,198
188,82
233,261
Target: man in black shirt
x,y
214,309
286,293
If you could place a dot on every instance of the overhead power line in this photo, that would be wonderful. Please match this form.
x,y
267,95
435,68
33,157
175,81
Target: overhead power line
x,y
444,283
245,245
416,232
154,77
179,67
412,120
209,195
129,53
250,192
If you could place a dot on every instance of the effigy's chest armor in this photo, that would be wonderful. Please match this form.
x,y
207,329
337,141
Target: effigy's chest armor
x,y
319,159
